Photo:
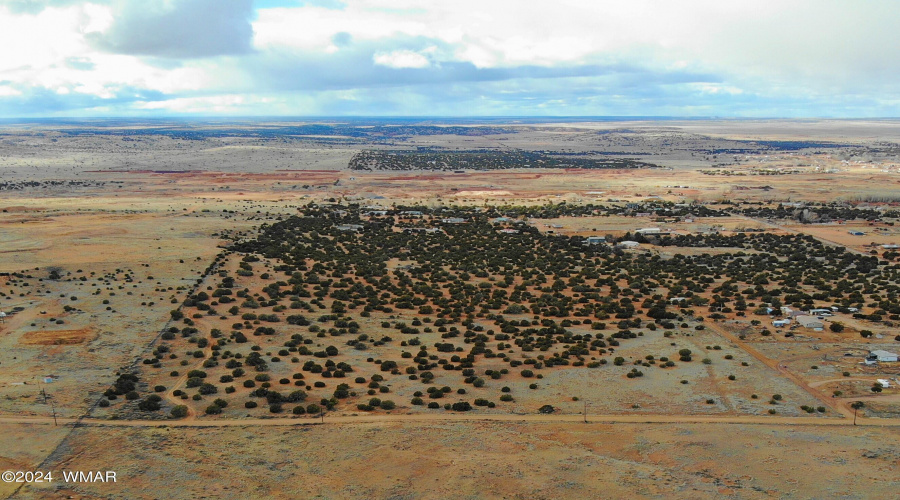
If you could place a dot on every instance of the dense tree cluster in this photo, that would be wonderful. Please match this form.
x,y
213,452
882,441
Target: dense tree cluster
x,y
813,212
471,268
521,303
50,184
482,159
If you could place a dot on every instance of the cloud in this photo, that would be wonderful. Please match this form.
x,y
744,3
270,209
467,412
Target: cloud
x,y
229,103
401,59
404,61
44,101
181,29
8,91
641,57
80,63
325,4
36,6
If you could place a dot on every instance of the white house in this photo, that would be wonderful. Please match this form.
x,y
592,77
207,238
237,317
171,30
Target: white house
x,y
810,322
781,322
885,383
882,356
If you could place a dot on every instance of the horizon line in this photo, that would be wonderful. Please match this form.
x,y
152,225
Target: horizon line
x,y
440,117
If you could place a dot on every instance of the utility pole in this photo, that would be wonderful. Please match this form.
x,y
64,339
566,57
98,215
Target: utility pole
x,y
55,423
584,413
856,405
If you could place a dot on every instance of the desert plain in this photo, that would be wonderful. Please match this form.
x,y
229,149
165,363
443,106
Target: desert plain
x,y
115,238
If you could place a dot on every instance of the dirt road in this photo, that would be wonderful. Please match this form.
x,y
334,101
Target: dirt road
x,y
818,383
452,417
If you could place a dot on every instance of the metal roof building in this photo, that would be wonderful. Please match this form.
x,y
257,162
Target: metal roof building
x,y
810,322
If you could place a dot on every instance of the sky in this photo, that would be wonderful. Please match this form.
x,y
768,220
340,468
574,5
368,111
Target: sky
x,y
685,58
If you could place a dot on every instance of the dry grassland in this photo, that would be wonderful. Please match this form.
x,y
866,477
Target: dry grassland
x,y
482,460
